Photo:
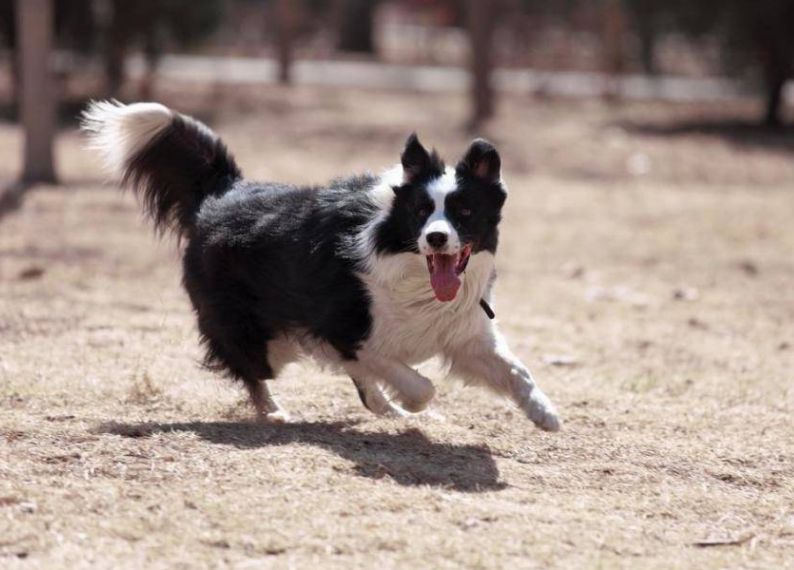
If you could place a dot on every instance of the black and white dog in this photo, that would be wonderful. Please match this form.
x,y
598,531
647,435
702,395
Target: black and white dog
x,y
368,275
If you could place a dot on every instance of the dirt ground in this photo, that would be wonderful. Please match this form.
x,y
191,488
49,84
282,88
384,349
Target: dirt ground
x,y
645,276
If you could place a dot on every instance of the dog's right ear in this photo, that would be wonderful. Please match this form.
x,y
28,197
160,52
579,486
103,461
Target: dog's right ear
x,y
415,159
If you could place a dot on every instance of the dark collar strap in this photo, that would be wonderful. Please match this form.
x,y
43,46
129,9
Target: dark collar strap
x,y
488,310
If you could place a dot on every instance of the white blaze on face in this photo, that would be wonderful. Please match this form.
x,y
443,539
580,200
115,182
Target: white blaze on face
x,y
438,190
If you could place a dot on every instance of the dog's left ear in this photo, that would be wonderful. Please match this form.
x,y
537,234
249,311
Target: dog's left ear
x,y
482,161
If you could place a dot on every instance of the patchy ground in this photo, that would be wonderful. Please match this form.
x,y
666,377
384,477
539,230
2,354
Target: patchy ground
x,y
645,276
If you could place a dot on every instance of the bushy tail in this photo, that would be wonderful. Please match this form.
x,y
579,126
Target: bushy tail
x,y
173,162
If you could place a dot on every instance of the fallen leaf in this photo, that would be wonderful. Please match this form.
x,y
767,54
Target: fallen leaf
x,y
725,541
749,267
62,418
686,294
30,273
560,359
573,270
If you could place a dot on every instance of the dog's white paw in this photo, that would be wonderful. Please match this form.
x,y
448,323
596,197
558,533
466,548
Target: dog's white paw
x,y
381,406
419,400
541,411
395,412
275,417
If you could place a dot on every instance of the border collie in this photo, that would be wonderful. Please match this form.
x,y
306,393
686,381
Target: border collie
x,y
368,275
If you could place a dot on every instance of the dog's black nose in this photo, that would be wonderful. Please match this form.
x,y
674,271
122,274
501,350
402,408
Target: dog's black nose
x,y
437,239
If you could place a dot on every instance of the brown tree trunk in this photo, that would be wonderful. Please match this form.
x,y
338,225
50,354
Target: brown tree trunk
x,y
114,69
286,23
118,38
614,30
38,102
647,36
357,26
774,100
152,51
16,81
9,42
481,24
777,70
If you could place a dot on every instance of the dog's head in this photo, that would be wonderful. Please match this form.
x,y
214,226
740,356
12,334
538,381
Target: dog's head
x,y
446,214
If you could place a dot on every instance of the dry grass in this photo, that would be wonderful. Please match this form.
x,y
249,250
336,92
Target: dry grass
x,y
656,310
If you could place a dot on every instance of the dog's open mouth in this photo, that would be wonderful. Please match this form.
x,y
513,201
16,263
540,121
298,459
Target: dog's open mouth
x,y
445,272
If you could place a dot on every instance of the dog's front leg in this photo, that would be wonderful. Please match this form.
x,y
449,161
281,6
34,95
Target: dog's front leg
x,y
413,390
487,360
374,399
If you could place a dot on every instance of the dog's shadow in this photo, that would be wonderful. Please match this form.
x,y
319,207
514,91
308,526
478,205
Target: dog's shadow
x,y
408,458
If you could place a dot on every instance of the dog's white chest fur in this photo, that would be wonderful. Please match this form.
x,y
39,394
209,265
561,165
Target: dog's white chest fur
x,y
408,322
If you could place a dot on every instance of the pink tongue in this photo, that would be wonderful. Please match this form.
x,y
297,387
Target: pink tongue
x,y
444,279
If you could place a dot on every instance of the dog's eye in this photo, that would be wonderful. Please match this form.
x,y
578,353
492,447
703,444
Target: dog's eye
x,y
422,212
465,212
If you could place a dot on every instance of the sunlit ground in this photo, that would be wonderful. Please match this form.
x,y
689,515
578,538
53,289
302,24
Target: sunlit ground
x,y
645,277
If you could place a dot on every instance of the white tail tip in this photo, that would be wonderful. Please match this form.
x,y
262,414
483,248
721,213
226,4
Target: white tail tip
x,y
119,131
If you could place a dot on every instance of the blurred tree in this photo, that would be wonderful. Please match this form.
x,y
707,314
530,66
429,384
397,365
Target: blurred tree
x,y
613,35
74,29
286,25
290,23
760,32
648,20
481,17
756,36
8,40
35,29
357,26
150,25
153,25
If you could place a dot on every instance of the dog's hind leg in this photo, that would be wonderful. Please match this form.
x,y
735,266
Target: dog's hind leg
x,y
374,399
280,352
242,350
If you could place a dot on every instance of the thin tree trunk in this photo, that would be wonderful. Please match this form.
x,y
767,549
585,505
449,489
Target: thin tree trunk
x,y
481,21
114,69
9,42
16,80
117,40
774,99
286,22
152,51
38,102
357,26
647,37
614,29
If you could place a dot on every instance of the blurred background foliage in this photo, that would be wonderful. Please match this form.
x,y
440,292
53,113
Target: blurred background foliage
x,y
751,40
755,37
